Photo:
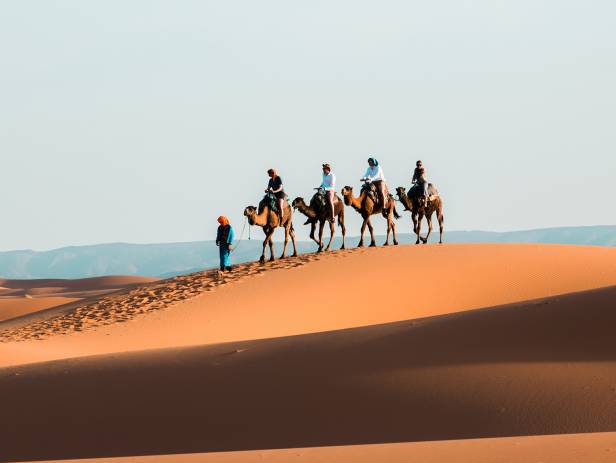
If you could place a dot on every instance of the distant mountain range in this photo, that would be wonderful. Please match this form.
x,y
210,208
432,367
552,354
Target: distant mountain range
x,y
169,259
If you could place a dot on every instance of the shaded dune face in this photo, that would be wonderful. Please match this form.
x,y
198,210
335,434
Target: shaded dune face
x,y
540,367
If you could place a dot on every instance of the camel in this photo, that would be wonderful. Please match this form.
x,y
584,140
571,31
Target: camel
x,y
321,215
418,210
269,220
365,205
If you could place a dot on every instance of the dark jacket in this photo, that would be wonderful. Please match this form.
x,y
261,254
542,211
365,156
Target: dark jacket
x,y
224,235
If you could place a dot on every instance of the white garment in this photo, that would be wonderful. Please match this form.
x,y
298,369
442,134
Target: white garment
x,y
329,182
374,173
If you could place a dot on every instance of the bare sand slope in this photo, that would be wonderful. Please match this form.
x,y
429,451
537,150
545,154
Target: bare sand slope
x,y
23,297
313,293
563,448
80,284
542,367
11,307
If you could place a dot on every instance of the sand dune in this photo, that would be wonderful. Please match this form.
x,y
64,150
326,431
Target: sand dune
x,y
17,306
564,448
306,353
81,284
24,297
314,293
543,367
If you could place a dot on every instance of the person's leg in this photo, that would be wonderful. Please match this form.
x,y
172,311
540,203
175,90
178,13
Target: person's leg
x,y
383,194
281,207
221,252
330,197
227,258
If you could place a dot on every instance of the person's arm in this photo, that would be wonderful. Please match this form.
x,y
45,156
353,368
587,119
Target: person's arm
x,y
323,181
415,176
367,176
332,186
230,236
218,235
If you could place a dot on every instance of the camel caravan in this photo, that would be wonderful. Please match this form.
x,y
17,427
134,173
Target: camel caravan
x,y
422,201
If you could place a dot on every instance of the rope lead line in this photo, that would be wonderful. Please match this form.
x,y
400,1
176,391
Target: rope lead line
x,y
242,235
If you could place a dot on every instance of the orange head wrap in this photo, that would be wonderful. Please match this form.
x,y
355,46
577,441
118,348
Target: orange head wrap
x,y
222,220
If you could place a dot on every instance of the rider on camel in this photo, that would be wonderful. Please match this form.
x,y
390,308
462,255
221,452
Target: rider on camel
x,y
329,186
275,187
419,179
374,174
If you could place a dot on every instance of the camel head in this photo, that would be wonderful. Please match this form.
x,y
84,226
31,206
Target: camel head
x,y
298,202
402,197
347,194
250,212
401,193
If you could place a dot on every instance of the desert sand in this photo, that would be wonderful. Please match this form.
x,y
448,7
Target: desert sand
x,y
25,297
478,342
16,306
595,448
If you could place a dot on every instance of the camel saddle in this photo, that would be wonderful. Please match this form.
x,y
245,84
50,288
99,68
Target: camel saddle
x,y
373,194
271,201
319,200
416,192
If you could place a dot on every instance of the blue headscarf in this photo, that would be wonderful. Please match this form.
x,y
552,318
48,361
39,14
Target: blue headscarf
x,y
374,161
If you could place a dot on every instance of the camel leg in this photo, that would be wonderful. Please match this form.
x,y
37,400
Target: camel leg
x,y
440,225
287,228
388,218
332,228
418,227
429,220
313,227
393,231
271,244
292,233
362,230
341,222
266,241
371,230
321,227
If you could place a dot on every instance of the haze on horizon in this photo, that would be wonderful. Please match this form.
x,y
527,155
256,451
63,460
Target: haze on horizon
x,y
142,121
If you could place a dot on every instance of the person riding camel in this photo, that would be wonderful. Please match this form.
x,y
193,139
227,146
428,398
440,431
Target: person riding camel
x,y
275,187
329,186
419,179
374,174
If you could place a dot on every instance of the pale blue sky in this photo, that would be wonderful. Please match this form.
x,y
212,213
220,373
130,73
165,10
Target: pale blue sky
x,y
142,121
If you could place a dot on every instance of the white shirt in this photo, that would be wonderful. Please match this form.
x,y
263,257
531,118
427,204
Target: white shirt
x,y
374,173
329,182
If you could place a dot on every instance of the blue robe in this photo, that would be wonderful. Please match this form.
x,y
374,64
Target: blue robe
x,y
224,238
